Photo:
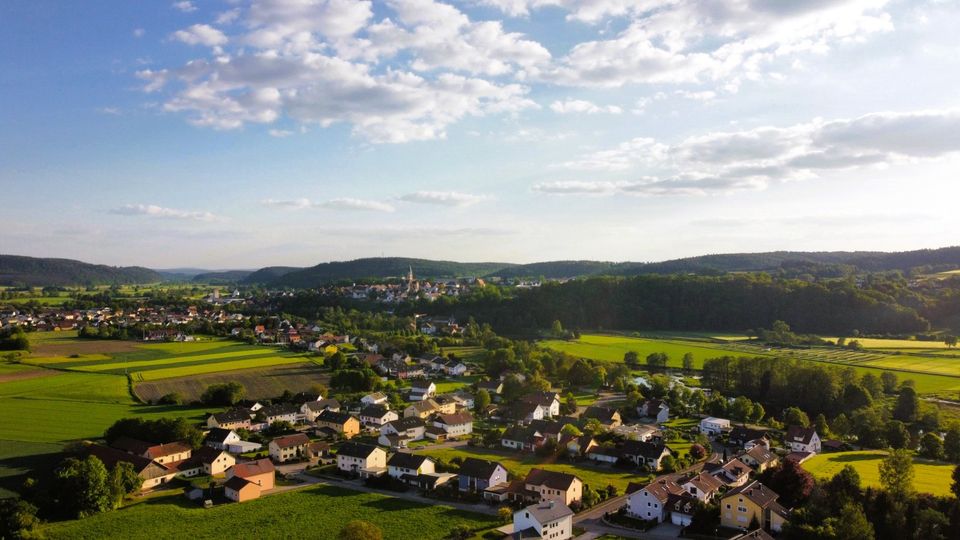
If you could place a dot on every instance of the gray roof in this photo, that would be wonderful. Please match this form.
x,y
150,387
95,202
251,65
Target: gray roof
x,y
548,511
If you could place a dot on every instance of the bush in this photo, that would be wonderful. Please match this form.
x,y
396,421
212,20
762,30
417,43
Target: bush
x,y
173,398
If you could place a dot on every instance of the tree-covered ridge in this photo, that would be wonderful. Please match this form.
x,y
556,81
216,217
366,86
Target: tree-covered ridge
x,y
16,270
731,302
381,267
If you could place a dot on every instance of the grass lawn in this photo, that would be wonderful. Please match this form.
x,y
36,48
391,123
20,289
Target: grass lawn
x,y
452,385
318,512
930,476
519,464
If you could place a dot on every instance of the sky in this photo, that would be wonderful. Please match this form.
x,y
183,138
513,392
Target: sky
x,y
249,133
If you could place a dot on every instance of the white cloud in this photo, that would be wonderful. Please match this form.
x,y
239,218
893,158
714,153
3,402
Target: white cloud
x,y
334,204
752,159
588,11
113,111
153,210
570,106
139,32
692,41
280,133
201,34
185,6
445,198
704,95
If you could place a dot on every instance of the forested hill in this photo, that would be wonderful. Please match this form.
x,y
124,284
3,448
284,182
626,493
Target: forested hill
x,y
381,267
16,270
223,277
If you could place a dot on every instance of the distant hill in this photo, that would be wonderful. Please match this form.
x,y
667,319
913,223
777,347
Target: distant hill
x,y
379,268
557,269
223,277
267,275
36,272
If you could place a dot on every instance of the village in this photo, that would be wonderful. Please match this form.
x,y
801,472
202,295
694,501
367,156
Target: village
x,y
681,464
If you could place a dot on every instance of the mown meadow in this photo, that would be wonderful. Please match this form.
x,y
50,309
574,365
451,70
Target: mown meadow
x,y
318,512
930,476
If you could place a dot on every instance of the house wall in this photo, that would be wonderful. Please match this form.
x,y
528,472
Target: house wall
x,y
642,504
220,465
737,511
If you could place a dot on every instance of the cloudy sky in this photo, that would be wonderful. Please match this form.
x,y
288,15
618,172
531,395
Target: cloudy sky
x,y
246,133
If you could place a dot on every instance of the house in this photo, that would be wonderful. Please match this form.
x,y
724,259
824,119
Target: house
x,y
281,412
344,424
548,428
760,458
213,461
446,404
544,485
578,445
733,473
317,450
681,508
525,412
606,453
546,520
654,408
422,389
802,439
240,490
549,402
523,438
150,472
312,409
376,398
243,447
232,419
362,459
219,438
494,388
402,464
453,367
455,425
289,447
650,502
743,435
480,474
399,432
422,409
704,486
169,453
714,426
377,415
645,454
608,417
260,472
752,503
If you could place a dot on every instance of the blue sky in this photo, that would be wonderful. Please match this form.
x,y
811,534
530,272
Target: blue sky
x,y
245,133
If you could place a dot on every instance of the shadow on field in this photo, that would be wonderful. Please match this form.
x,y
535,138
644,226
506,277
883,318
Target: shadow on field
x,y
15,469
852,458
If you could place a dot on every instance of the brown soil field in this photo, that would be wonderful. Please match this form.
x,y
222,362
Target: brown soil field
x,y
99,346
260,383
33,374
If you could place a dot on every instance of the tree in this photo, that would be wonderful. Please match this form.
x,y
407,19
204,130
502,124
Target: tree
x,y
698,452
844,487
889,381
758,412
688,362
18,519
955,485
571,430
360,530
124,480
897,434
793,416
791,481
569,404
950,341
852,524
856,397
951,443
460,532
632,359
668,464
505,514
83,487
931,447
821,425
223,394
741,409
931,525
657,360
873,384
896,474
907,406
556,329
481,401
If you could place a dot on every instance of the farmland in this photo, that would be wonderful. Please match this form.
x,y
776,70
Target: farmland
x,y
933,374
931,477
260,383
518,465
318,512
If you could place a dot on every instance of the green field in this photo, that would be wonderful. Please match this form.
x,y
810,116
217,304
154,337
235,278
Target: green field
x,y
609,348
148,362
871,343
933,375
930,476
519,464
318,512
